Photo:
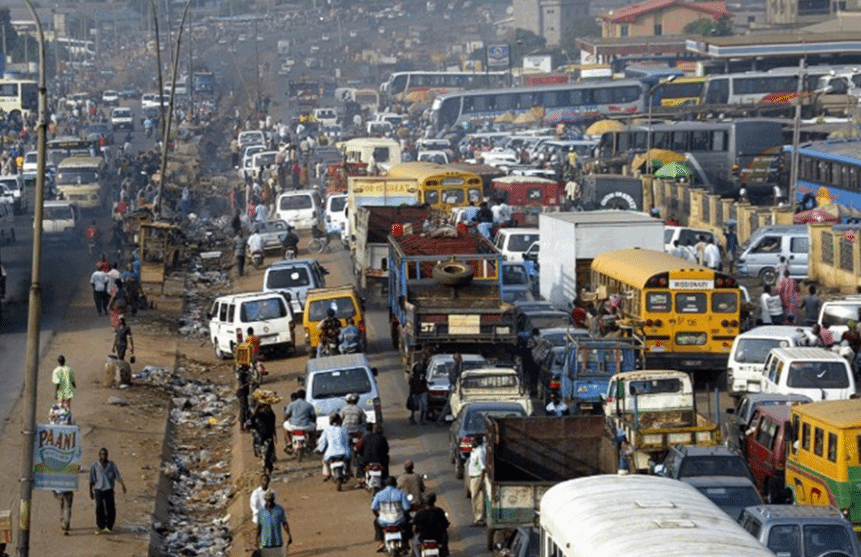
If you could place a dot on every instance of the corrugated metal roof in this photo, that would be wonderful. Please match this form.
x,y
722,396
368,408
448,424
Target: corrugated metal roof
x,y
630,13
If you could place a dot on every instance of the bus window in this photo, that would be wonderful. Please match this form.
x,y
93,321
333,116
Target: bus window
x,y
680,142
719,141
717,91
805,436
431,197
452,197
475,194
658,302
694,302
661,140
724,302
534,195
818,441
639,141
832,447
700,141
381,154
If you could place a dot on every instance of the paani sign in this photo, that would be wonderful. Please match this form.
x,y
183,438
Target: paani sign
x,y
57,458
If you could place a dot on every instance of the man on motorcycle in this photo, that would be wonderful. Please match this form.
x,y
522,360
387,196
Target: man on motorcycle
x,y
148,126
390,508
329,328
290,243
333,443
412,484
255,247
431,523
350,338
352,417
374,448
299,414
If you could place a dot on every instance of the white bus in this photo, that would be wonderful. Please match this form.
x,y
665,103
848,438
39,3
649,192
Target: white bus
x,y
401,84
19,95
636,515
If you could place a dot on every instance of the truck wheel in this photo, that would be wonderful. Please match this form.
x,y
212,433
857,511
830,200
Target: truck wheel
x,y
768,276
453,273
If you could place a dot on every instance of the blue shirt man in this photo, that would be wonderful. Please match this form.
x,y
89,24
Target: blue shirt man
x,y
300,413
334,441
390,504
270,519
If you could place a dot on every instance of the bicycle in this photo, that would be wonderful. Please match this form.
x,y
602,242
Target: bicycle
x,y
319,243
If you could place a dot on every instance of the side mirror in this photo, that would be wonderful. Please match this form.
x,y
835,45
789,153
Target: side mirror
x,y
208,315
449,418
660,470
374,371
730,410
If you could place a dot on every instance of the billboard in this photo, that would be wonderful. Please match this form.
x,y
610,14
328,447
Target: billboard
x,y
57,457
498,56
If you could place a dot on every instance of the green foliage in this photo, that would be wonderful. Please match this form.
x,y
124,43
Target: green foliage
x,y
583,27
708,27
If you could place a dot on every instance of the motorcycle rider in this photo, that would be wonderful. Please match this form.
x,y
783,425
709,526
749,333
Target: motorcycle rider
x,y
390,508
374,448
255,245
350,338
329,329
148,124
290,242
412,484
431,523
333,443
299,414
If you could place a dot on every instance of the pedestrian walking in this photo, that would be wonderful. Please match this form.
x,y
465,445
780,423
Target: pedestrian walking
x,y
270,521
123,340
104,475
258,497
118,302
63,379
61,415
99,282
476,469
811,304
731,247
239,253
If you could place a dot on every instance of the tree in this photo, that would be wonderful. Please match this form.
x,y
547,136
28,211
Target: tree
x,y
583,27
708,27
524,42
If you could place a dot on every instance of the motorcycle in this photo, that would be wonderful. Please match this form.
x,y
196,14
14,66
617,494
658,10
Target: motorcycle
x,y
257,259
330,348
355,439
428,548
320,242
374,477
393,538
338,466
290,252
297,439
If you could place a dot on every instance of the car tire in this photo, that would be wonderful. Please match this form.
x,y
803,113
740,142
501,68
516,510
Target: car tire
x,y
219,355
768,276
453,273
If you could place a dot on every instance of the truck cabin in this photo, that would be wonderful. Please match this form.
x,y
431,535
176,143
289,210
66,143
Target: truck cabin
x,y
649,392
527,196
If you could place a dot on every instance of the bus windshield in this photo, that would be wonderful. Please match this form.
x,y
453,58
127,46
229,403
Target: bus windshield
x,y
77,176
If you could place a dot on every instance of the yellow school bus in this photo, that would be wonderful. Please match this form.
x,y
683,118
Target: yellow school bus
x,y
683,91
823,466
440,186
686,315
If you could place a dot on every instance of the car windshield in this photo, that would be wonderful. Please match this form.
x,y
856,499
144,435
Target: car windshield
x,y
337,204
547,322
818,375
754,350
521,242
341,382
736,496
77,176
262,310
820,539
515,274
294,277
475,420
713,465
343,307
840,314
293,202
57,213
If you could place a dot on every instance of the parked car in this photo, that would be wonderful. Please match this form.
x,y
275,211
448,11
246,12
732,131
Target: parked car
x,y
836,314
739,418
801,530
731,493
470,422
438,369
686,461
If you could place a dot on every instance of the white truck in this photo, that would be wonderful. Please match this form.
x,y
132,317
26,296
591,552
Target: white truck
x,y
570,241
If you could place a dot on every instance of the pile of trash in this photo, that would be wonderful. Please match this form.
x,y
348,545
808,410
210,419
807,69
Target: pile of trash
x,y
198,467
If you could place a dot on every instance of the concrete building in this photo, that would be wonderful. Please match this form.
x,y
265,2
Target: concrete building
x,y
550,19
655,18
805,12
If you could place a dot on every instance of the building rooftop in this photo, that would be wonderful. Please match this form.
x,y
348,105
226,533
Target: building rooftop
x,y
629,14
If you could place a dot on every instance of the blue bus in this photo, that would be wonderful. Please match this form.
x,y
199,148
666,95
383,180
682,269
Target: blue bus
x,y
829,172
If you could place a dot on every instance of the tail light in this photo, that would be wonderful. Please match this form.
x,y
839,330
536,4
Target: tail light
x,y
658,323
361,325
649,323
238,334
733,323
555,384
428,544
466,444
724,323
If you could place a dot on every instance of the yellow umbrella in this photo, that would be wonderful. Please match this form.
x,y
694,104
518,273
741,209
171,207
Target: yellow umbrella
x,y
530,117
659,158
504,118
420,96
603,126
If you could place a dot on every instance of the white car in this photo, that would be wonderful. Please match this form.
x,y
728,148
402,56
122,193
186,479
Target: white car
x,y
122,118
110,97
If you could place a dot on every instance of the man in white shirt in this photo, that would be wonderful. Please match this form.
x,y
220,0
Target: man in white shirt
x,y
711,256
255,242
258,496
99,281
475,467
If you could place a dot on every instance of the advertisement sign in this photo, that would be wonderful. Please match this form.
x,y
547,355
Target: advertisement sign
x,y
498,56
57,458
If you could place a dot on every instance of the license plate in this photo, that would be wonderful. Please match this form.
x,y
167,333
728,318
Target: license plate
x,y
430,552
375,473
393,537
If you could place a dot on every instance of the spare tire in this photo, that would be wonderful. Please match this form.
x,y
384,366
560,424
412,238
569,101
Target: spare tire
x,y
453,273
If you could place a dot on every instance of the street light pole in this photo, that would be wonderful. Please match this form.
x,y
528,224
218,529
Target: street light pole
x,y
34,319
158,61
166,135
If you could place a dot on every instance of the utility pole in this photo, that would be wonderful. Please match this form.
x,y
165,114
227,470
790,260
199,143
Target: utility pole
x,y
796,135
34,318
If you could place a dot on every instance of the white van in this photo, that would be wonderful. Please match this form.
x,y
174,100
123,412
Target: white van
x,y
513,242
295,276
760,255
61,221
266,312
814,372
327,117
301,209
836,314
749,351
336,213
685,236
383,152
330,379
7,222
